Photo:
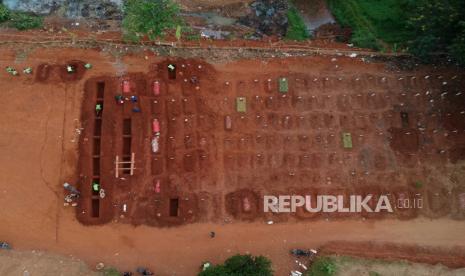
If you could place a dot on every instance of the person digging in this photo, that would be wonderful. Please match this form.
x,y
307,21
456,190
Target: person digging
x,y
98,109
11,71
119,99
96,187
27,70
70,69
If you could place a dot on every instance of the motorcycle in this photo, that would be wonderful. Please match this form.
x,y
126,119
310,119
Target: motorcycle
x,y
5,245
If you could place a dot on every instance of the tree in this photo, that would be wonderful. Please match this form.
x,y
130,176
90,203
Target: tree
x,y
322,266
437,27
457,48
149,17
4,13
239,265
296,29
24,21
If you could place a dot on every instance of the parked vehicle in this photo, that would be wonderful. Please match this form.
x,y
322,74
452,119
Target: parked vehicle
x,y
303,253
5,245
144,271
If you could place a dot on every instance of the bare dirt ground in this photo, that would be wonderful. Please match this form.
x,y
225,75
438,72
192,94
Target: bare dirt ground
x,y
40,263
356,267
41,132
407,129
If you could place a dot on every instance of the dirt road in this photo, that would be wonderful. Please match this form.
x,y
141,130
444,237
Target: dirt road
x,y
38,144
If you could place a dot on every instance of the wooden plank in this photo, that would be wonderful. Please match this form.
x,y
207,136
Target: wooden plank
x,y
133,157
116,167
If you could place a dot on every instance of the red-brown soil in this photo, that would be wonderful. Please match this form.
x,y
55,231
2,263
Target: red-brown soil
x,y
58,72
283,143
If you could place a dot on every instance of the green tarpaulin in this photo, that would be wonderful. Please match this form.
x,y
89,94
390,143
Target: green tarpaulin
x,y
241,104
283,85
347,140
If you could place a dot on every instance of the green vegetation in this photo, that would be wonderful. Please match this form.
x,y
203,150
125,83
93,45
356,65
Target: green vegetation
x,y
4,13
322,266
111,272
193,36
378,267
23,21
457,49
149,18
373,22
422,27
19,20
438,26
238,265
296,29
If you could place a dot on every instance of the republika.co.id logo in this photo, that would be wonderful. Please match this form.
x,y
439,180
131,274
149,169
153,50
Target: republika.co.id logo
x,y
339,203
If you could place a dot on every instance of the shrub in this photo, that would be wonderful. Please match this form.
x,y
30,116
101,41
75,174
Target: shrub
x,y
365,39
24,21
111,272
241,265
322,266
296,29
457,48
374,23
4,13
150,18
418,184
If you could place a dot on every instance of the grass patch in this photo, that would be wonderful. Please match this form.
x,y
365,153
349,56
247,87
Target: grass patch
x,y
418,184
20,20
241,265
111,272
149,18
323,266
374,23
296,29
23,21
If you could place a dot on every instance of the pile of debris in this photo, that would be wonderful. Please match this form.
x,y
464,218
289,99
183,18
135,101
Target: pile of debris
x,y
334,32
267,17
100,9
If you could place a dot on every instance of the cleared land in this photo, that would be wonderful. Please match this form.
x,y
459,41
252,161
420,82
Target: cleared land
x,y
354,267
40,150
407,133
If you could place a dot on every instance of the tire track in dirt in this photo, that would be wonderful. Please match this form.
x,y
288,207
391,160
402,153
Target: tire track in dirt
x,y
47,183
42,149
60,177
452,257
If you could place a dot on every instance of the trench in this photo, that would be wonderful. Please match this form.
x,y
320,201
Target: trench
x,y
127,140
174,207
96,149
